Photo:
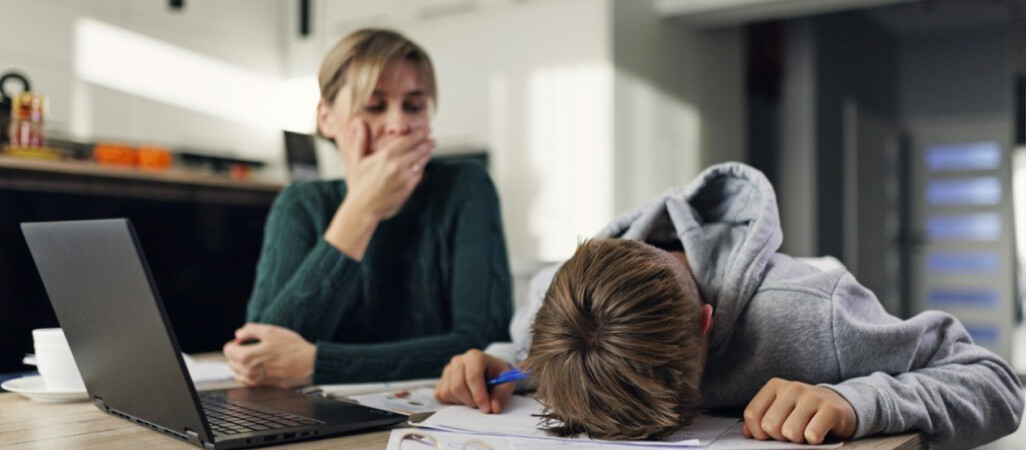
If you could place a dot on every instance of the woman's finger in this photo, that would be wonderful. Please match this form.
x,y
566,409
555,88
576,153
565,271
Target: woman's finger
x,y
418,152
403,145
248,371
236,367
246,355
355,144
247,334
251,376
254,329
361,138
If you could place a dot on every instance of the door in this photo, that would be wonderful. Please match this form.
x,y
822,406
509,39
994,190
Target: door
x,y
962,250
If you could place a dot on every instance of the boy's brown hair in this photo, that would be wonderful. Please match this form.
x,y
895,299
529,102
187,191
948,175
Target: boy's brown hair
x,y
617,346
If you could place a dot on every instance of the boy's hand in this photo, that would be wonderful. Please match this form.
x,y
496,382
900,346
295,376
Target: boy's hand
x,y
463,382
798,412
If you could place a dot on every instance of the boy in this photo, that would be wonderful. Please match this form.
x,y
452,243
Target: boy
x,y
626,343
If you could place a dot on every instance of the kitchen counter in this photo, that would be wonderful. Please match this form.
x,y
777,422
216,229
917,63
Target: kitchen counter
x,y
80,177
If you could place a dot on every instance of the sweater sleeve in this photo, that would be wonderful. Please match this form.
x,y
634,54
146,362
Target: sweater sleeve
x,y
480,293
923,374
523,319
302,282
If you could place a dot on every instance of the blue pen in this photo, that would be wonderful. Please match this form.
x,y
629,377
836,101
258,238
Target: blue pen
x,y
508,376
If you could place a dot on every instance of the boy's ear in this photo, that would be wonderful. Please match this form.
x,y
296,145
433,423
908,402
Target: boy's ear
x,y
324,120
705,315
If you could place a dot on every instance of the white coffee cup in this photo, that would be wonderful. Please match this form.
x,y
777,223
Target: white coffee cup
x,y
55,362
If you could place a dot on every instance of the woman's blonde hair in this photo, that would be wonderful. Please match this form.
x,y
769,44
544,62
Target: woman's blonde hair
x,y
358,60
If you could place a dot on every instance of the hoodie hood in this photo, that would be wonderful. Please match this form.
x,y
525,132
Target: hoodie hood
x,y
728,223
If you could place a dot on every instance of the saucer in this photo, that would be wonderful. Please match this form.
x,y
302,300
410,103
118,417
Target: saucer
x,y
34,388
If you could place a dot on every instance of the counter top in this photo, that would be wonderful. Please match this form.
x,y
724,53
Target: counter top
x,y
89,178
130,173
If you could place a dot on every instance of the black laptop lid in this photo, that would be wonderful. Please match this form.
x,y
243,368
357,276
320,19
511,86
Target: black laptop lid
x,y
105,299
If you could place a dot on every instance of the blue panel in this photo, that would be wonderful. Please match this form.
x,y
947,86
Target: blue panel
x,y
967,156
964,191
943,298
964,227
953,263
984,334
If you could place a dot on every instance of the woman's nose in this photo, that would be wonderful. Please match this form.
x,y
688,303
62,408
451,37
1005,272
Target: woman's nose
x,y
396,123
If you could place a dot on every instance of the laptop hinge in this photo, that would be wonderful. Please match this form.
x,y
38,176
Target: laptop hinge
x,y
189,436
194,439
98,402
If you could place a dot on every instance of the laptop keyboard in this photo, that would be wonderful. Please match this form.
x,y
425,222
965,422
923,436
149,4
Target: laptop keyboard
x,y
229,418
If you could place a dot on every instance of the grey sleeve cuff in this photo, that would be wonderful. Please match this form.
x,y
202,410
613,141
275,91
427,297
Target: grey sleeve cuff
x,y
869,405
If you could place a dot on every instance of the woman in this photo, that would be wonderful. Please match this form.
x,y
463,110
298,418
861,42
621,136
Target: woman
x,y
386,274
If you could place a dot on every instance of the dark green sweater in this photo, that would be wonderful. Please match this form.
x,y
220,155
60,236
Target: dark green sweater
x,y
433,283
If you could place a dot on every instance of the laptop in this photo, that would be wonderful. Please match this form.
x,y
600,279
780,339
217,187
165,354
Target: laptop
x,y
107,303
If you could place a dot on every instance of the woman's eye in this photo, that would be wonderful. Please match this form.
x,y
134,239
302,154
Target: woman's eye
x,y
413,107
375,108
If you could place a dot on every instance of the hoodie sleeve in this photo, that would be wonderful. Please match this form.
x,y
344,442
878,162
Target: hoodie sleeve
x,y
523,320
923,373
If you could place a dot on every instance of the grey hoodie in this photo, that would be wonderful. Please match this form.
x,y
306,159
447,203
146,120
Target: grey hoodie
x,y
778,317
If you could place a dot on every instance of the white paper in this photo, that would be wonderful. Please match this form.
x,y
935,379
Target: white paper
x,y
732,439
518,420
402,401
462,441
349,390
204,371
735,439
448,440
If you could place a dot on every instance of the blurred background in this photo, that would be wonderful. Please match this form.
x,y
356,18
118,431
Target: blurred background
x,y
892,130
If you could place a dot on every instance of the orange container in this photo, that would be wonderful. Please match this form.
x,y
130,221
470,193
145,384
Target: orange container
x,y
154,157
114,154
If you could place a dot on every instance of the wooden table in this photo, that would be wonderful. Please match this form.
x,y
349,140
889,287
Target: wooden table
x,y
26,424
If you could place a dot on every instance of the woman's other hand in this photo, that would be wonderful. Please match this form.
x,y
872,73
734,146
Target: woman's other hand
x,y
270,355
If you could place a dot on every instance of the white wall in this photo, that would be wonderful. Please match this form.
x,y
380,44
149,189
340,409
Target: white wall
x,y
796,188
679,101
134,70
576,131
